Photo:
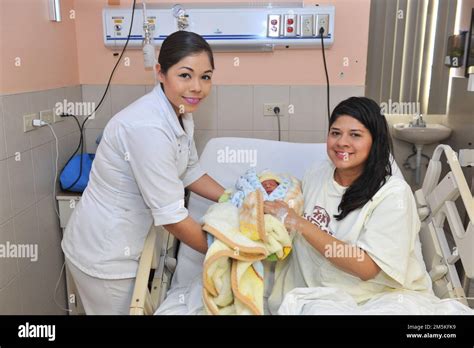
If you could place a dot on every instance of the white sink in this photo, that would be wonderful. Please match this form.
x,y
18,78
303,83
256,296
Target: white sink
x,y
432,133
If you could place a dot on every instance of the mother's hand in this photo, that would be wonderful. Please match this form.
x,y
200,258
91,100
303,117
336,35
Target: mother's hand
x,y
282,212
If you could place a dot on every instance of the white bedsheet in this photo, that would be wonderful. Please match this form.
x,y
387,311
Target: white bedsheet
x,y
331,301
186,300
325,301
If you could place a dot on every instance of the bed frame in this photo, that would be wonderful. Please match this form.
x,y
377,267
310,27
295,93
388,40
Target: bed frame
x,y
436,202
156,267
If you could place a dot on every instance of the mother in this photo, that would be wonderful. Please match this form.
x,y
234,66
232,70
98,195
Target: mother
x,y
360,224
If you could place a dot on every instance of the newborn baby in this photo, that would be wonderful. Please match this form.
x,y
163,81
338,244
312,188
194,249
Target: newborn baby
x,y
269,181
272,186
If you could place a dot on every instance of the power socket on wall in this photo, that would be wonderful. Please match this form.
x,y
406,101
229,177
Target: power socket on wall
x,y
57,116
47,116
322,21
268,109
28,122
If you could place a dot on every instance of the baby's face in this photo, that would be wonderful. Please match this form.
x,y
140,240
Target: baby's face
x,y
269,185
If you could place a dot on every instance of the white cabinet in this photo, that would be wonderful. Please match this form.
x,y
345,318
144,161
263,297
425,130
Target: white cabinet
x,y
67,202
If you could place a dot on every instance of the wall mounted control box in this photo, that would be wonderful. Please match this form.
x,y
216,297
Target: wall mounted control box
x,y
227,27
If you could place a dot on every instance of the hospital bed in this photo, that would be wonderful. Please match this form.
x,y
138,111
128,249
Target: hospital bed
x,y
161,276
441,224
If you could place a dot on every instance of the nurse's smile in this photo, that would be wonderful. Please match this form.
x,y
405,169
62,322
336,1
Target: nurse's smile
x,y
192,101
187,82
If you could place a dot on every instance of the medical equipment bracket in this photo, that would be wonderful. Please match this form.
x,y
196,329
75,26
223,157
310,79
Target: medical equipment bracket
x,y
228,28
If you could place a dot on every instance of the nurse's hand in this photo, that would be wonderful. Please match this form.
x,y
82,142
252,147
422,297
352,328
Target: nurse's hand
x,y
283,212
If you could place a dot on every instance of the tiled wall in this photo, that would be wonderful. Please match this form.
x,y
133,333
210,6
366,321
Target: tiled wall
x,y
236,111
27,214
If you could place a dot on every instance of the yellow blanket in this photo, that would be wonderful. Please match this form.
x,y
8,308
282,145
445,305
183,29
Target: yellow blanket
x,y
233,280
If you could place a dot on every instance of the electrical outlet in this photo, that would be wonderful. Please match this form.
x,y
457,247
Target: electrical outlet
x,y
57,117
273,25
268,109
322,20
28,122
47,116
306,25
290,24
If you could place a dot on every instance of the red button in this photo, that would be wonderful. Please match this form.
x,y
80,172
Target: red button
x,y
289,29
290,21
274,21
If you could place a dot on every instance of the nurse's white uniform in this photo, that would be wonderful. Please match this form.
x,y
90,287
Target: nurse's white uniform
x,y
142,165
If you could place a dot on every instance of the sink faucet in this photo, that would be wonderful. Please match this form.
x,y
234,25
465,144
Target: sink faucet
x,y
419,122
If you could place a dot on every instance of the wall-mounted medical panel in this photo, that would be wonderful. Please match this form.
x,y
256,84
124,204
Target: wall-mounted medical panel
x,y
227,28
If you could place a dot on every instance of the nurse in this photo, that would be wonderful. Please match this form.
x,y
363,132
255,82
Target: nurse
x,y
145,160
359,232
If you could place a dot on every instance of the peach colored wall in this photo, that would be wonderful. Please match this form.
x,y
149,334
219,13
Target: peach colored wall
x,y
281,67
47,50
72,52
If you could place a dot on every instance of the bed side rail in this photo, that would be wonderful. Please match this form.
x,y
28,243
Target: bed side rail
x,y
436,205
142,303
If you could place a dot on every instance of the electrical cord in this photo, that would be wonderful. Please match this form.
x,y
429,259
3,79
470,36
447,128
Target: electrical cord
x,y
40,123
56,290
57,213
276,110
81,127
55,168
79,146
321,33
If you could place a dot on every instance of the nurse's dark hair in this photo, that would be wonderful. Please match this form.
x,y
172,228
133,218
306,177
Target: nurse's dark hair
x,y
377,167
182,44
